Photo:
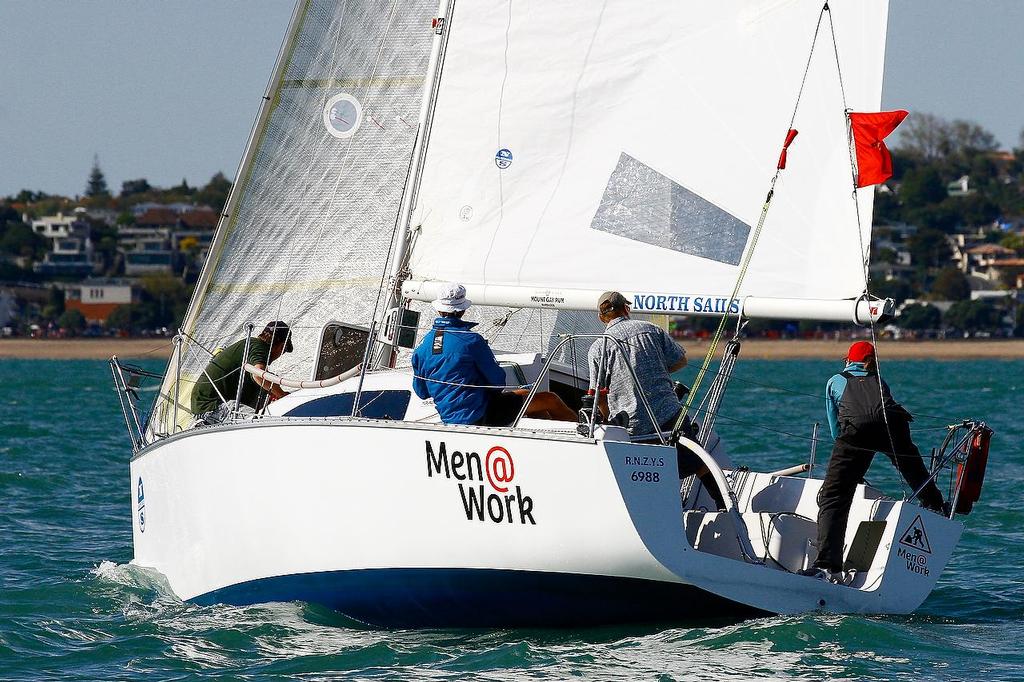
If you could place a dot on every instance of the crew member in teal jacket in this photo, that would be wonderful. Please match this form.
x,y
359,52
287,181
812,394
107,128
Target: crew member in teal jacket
x,y
864,419
455,366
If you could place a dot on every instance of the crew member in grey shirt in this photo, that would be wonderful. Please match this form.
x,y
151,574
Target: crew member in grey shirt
x,y
654,355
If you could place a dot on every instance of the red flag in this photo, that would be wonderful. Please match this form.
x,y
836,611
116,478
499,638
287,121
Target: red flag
x,y
874,162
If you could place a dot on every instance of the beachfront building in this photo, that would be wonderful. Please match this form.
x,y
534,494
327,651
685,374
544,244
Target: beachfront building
x,y
97,298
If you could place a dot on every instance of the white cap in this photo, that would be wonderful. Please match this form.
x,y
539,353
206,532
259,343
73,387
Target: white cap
x,y
451,298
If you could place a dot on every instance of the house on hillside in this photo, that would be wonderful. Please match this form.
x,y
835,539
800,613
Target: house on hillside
x,y
977,260
146,250
71,249
154,243
960,187
1008,271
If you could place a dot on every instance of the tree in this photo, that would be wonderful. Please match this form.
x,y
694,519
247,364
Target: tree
x,y
921,187
215,193
1013,240
973,209
897,289
924,136
71,320
54,307
887,207
164,299
27,196
18,239
929,248
12,273
121,318
183,188
105,238
951,285
967,137
8,215
941,216
919,316
138,186
886,255
973,316
96,186
932,138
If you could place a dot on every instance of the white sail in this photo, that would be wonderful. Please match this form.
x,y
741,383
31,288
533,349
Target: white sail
x,y
583,146
307,229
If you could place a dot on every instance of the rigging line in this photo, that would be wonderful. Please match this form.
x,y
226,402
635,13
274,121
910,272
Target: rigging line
x,y
818,397
384,271
165,346
229,212
773,430
864,253
749,253
809,438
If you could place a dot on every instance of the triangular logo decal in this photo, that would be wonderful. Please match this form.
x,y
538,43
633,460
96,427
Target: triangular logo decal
x,y
915,536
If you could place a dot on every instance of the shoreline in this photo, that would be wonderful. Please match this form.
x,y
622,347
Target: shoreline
x,y
759,349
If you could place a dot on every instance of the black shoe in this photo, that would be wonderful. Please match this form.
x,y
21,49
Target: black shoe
x,y
816,572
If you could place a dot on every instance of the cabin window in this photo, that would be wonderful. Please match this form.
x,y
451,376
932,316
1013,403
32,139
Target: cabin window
x,y
373,405
341,348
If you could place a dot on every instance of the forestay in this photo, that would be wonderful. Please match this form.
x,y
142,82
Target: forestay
x,y
585,146
307,230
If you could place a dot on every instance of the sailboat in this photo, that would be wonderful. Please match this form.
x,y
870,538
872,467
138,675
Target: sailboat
x,y
540,153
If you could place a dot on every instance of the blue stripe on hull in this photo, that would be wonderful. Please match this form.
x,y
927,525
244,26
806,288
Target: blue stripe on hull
x,y
420,597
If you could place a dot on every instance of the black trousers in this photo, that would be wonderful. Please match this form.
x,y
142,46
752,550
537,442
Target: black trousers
x,y
851,457
689,464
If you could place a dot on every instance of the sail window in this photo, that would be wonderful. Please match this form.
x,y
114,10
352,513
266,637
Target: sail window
x,y
641,204
372,405
342,115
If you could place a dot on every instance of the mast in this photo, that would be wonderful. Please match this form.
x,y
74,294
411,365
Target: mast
x,y
398,265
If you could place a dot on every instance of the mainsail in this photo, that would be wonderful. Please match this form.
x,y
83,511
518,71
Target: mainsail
x,y
580,147
307,229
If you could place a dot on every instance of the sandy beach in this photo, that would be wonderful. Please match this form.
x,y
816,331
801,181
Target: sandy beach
x,y
84,349
765,349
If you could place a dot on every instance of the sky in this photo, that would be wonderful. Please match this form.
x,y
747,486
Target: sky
x,y
167,90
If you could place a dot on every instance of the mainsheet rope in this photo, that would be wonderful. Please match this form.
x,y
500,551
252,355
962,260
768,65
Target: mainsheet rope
x,y
748,255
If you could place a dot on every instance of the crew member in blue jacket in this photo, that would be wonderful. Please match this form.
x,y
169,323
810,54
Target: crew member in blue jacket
x,y
455,366
864,419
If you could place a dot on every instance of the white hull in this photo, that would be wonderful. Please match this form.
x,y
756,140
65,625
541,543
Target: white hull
x,y
357,515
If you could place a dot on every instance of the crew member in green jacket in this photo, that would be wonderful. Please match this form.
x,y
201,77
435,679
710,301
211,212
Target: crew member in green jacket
x,y
219,382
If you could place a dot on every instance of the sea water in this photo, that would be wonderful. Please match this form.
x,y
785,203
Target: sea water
x,y
72,607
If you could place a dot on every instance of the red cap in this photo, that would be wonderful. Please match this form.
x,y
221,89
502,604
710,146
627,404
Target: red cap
x,y
860,351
